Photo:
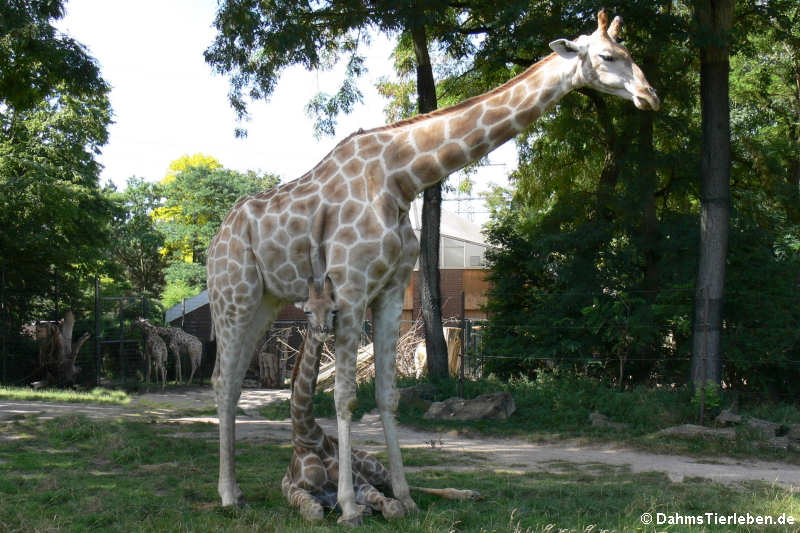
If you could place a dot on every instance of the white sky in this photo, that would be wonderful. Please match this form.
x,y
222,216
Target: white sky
x,y
167,102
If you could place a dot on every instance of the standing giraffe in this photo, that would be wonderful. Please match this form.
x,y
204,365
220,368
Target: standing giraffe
x,y
155,350
180,343
310,481
352,211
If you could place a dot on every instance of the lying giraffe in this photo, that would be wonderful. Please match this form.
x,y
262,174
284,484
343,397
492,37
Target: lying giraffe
x,y
155,350
310,483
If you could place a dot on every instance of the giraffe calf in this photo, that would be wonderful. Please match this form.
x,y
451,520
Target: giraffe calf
x,y
310,483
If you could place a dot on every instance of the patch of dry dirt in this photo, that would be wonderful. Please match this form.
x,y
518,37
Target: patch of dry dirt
x,y
510,455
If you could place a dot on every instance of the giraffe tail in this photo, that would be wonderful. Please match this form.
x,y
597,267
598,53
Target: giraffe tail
x,y
451,494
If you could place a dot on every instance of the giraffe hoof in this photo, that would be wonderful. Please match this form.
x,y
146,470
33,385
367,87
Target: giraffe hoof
x,y
237,499
393,509
411,507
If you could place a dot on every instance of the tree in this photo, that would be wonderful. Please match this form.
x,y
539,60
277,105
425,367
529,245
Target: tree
x,y
138,244
715,19
582,281
53,215
431,220
195,201
36,61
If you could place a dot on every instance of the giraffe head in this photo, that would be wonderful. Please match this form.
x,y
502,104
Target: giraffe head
x,y
606,65
320,309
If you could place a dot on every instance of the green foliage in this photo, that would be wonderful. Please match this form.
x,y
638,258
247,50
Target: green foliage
x,y
597,247
196,201
137,243
175,292
707,397
54,115
256,40
37,61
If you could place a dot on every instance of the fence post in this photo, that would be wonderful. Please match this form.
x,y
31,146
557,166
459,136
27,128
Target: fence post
x,y
4,324
463,344
123,364
97,312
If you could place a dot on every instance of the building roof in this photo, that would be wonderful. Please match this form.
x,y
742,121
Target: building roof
x,y
191,304
451,225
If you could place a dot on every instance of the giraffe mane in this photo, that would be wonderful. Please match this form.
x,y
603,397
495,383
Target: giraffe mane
x,y
461,105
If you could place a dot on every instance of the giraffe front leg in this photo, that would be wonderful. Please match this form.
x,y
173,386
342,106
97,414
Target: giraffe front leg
x,y
386,313
178,373
347,338
373,499
300,498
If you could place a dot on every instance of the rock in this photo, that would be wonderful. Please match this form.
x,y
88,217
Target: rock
x,y
602,421
496,406
794,433
727,417
782,443
766,428
692,430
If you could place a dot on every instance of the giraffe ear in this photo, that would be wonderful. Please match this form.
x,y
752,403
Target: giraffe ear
x,y
299,305
567,49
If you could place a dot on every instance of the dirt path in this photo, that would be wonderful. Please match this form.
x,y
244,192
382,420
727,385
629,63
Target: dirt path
x,y
483,453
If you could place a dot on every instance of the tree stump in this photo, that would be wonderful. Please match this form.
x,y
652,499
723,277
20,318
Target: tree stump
x,y
57,352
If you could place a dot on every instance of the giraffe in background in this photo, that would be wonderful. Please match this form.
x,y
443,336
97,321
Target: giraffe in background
x,y
155,350
351,210
180,343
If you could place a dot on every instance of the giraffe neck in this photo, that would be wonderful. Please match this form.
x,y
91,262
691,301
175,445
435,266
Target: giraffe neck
x,y
421,151
305,430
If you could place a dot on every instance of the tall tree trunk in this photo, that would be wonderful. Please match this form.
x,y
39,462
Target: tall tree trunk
x,y
715,18
649,228
431,217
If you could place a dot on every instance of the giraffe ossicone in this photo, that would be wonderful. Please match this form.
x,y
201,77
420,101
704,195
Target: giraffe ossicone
x,y
348,216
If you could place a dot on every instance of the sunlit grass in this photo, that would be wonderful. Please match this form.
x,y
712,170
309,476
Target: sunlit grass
x,y
96,395
76,474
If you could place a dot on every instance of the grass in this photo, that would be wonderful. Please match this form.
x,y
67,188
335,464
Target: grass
x,y
558,407
97,395
73,474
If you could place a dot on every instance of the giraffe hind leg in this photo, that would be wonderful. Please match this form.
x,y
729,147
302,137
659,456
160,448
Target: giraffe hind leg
x,y
235,350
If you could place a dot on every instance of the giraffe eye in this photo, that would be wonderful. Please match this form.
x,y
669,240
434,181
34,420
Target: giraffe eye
x,y
607,57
